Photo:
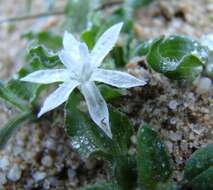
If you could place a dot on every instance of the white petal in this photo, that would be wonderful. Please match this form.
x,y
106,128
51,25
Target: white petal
x,y
70,43
116,78
84,52
47,76
70,62
105,44
97,106
85,60
58,97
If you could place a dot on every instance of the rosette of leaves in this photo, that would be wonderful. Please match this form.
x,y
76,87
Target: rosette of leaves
x,y
177,57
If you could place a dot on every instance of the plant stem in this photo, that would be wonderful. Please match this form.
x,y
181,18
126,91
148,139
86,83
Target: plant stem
x,y
28,17
109,4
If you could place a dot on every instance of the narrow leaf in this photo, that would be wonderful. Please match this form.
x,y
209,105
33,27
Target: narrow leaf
x,y
11,98
7,131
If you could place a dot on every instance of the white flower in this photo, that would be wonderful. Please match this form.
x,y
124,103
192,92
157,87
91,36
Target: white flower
x,y
81,70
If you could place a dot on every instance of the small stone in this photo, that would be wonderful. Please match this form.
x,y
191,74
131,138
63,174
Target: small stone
x,y
46,184
49,144
203,85
71,173
175,136
173,120
38,176
133,139
173,104
207,40
3,179
4,163
17,150
169,146
14,173
47,161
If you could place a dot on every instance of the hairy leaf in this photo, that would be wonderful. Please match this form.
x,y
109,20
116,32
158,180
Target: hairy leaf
x,y
88,139
125,172
177,57
47,38
153,161
199,169
110,93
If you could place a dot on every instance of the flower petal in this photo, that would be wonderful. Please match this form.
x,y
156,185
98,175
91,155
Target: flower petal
x,y
97,106
58,97
47,76
105,44
85,60
70,62
116,78
70,43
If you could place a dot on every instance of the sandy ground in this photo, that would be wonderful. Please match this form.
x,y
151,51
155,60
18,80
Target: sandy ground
x,y
39,156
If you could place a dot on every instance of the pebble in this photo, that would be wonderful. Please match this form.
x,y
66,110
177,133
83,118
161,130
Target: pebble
x,y
47,161
203,85
38,176
169,146
46,184
173,120
3,179
173,104
4,163
207,40
71,173
175,136
14,173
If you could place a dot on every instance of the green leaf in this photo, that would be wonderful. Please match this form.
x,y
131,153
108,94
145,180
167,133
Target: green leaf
x,y
119,57
12,125
11,98
203,181
101,186
40,58
84,135
141,49
177,57
24,90
110,93
90,35
153,162
47,38
166,186
125,172
199,168
122,130
44,57
189,68
88,139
